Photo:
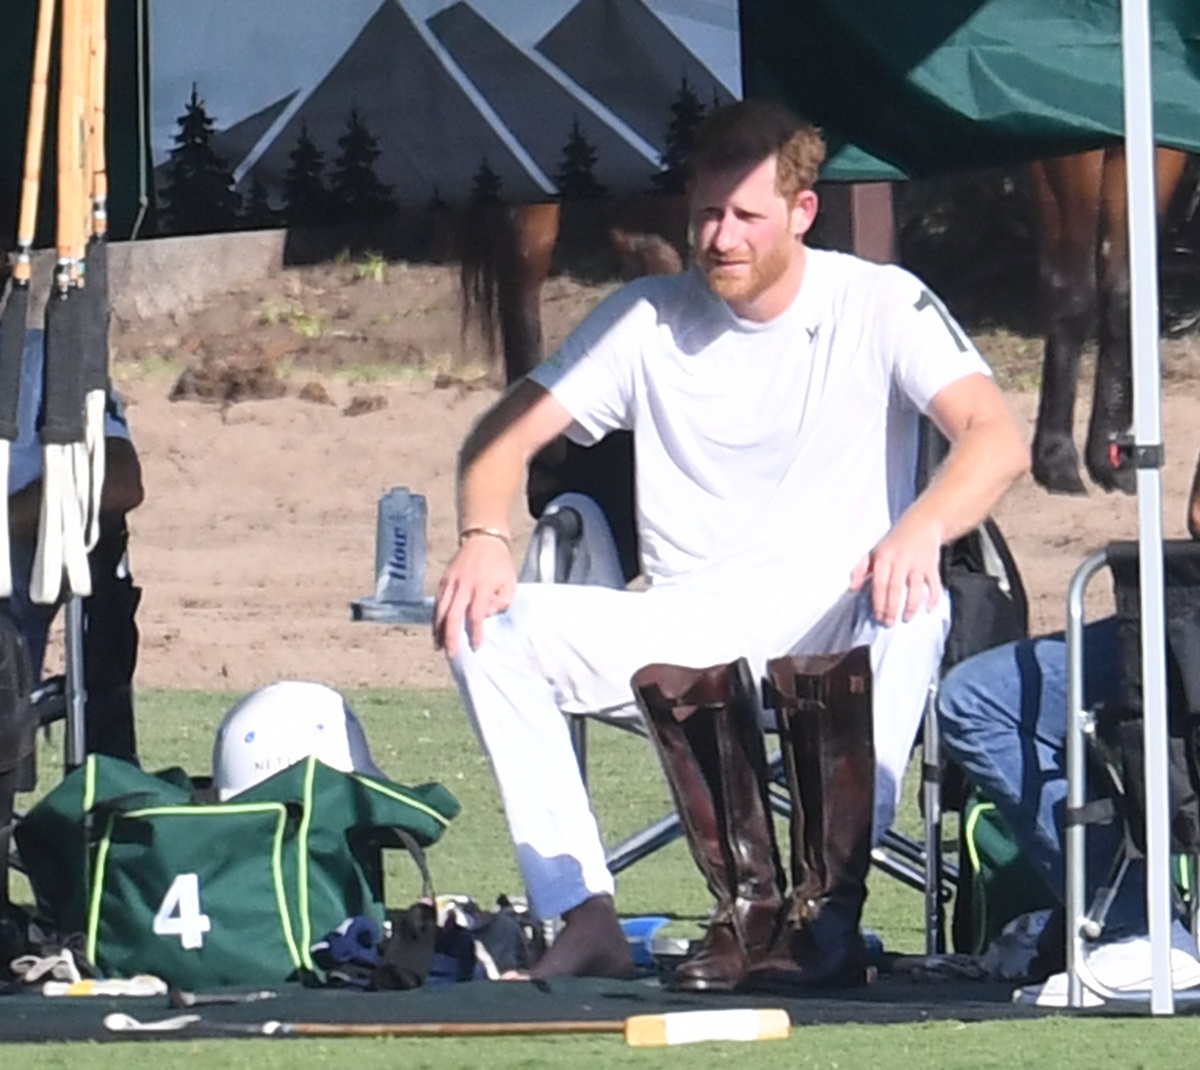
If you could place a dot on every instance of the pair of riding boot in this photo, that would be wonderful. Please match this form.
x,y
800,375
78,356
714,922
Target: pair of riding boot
x,y
706,726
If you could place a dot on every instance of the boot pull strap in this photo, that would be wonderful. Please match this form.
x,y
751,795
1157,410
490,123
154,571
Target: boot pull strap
x,y
810,694
704,692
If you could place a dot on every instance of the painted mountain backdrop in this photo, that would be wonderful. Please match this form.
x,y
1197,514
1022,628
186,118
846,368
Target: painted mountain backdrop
x,y
284,110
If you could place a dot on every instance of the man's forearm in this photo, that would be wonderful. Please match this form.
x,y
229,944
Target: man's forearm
x,y
980,468
494,458
122,491
488,483
24,511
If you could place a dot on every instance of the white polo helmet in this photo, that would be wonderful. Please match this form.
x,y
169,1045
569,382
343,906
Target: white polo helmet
x,y
283,723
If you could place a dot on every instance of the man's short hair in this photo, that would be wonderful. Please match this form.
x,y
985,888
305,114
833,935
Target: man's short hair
x,y
747,132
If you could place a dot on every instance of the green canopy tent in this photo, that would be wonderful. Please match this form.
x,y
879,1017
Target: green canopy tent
x,y
912,91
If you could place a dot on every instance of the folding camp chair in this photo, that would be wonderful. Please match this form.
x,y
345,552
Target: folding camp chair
x,y
1120,752
918,864
100,655
100,646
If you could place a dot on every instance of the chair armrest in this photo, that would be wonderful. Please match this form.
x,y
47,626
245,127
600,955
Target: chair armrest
x,y
555,538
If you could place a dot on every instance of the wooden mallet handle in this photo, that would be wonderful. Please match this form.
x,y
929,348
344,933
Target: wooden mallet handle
x,y
641,1030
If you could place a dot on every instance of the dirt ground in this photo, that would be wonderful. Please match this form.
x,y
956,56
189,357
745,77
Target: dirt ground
x,y
271,420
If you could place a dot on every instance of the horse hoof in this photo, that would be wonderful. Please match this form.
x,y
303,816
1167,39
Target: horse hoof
x,y
1058,477
1056,464
1057,482
1108,478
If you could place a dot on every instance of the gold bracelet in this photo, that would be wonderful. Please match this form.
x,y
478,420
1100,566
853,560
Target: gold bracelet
x,y
494,533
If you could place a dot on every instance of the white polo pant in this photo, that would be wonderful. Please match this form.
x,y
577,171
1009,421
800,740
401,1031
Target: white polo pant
x,y
565,648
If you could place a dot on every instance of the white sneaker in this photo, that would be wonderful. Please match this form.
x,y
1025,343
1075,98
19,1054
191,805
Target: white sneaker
x,y
1123,966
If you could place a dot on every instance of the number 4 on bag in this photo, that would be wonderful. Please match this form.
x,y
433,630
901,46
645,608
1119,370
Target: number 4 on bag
x,y
179,912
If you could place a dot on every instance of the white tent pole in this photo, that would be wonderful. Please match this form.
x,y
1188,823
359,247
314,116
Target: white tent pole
x,y
1147,400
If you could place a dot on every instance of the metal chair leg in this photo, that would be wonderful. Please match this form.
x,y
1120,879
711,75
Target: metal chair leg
x,y
577,726
76,733
931,794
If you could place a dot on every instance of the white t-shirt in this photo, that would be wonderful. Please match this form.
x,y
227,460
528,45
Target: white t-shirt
x,y
779,449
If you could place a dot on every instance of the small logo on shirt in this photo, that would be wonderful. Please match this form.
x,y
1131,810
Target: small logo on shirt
x,y
812,334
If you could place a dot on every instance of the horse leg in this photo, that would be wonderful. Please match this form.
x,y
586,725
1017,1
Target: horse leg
x,y
525,264
1112,401
1112,404
1067,192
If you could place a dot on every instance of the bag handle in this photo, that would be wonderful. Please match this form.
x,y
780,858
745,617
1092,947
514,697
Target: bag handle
x,y
408,841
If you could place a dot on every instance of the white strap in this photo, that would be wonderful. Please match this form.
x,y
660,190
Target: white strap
x,y
94,437
61,547
45,580
74,523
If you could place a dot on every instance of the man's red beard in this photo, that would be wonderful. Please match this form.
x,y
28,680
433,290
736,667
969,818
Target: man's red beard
x,y
747,284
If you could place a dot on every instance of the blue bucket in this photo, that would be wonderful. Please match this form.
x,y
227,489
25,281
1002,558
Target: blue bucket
x,y
640,934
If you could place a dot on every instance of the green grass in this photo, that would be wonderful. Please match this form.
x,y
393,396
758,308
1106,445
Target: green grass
x,y
1044,1044
306,324
417,736
155,368
373,267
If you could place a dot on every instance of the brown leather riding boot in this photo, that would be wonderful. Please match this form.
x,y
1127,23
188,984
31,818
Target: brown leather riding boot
x,y
824,708
706,728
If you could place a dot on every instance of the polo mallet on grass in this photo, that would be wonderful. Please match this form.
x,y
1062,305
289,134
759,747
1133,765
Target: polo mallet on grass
x,y
12,323
640,1030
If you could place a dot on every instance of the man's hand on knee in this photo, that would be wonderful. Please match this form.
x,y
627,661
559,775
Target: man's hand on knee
x,y
904,571
479,582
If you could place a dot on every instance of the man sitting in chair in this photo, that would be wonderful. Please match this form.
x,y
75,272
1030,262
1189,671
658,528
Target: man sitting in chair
x,y
774,393
1003,716
110,634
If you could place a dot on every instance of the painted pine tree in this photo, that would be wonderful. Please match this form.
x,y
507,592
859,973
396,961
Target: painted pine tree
x,y
486,186
306,197
576,177
197,195
687,112
257,212
357,191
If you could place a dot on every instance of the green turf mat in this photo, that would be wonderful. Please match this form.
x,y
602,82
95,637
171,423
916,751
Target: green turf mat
x,y
892,999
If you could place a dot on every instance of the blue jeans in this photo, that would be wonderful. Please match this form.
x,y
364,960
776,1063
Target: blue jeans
x,y
1003,716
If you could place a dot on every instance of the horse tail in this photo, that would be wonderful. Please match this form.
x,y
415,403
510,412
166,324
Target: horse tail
x,y
505,253
479,251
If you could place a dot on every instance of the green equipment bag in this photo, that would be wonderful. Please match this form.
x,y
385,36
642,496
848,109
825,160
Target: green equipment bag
x,y
212,894
170,897
996,881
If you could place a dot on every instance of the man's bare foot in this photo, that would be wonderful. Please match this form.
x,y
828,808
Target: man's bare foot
x,y
591,944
